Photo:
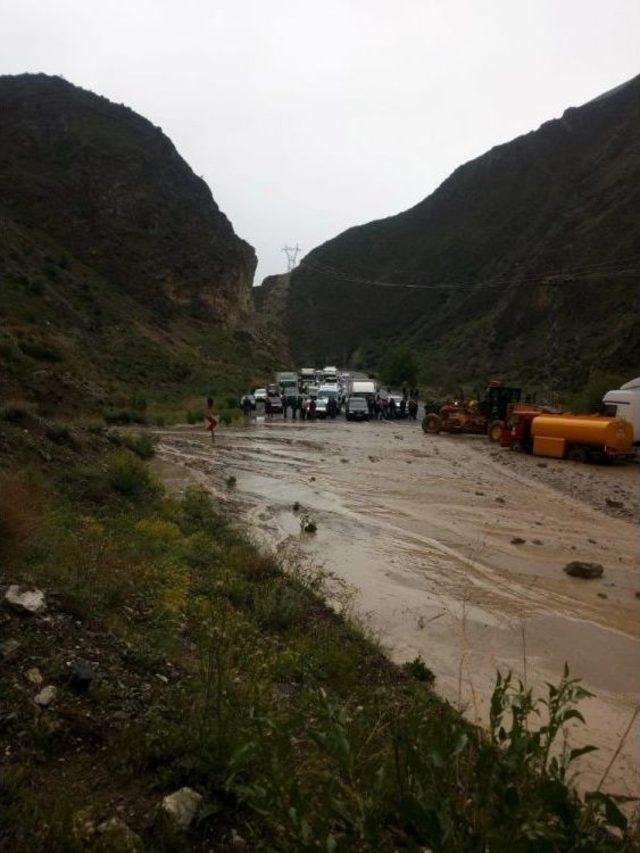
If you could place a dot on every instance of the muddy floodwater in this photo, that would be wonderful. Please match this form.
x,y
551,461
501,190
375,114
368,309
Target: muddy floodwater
x,y
425,529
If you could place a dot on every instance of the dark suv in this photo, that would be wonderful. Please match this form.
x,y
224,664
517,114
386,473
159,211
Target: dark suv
x,y
357,409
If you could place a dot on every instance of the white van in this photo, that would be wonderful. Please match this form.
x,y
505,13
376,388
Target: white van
x,y
625,403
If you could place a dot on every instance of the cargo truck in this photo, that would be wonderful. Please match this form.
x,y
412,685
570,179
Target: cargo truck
x,y
287,382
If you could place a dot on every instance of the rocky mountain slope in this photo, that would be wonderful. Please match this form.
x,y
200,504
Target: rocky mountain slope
x,y
119,273
524,262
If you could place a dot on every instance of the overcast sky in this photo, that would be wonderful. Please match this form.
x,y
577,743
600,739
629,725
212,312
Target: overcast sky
x,y
308,116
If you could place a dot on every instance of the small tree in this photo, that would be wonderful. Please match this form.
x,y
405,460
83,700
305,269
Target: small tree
x,y
400,367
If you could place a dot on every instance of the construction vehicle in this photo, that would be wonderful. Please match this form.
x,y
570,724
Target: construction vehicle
x,y
582,438
483,416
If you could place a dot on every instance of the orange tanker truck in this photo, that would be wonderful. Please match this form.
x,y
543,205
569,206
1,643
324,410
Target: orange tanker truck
x,y
582,438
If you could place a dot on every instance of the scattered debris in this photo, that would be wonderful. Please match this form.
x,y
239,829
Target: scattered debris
x,y
46,696
34,676
344,460
119,836
500,500
9,648
542,465
518,540
80,677
481,494
231,481
602,595
182,806
579,569
296,506
537,541
29,601
614,504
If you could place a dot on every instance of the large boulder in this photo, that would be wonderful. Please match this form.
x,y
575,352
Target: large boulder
x,y
182,806
579,569
28,601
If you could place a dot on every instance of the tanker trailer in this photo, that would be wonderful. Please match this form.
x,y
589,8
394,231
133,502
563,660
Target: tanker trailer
x,y
581,437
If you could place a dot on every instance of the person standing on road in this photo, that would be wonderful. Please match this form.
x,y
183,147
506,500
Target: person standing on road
x,y
211,419
403,404
392,407
294,407
304,404
413,408
285,406
312,409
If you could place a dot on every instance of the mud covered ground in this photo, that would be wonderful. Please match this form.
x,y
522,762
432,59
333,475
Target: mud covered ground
x,y
426,531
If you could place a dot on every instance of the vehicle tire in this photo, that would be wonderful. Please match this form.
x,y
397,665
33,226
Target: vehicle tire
x,y
495,430
432,424
578,454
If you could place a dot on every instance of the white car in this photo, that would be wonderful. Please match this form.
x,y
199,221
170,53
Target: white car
x,y
260,395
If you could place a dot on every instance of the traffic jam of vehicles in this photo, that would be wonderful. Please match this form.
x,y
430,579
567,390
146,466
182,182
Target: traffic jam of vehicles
x,y
327,394
612,434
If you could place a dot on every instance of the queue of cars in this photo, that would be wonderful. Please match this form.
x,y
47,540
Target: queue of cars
x,y
352,396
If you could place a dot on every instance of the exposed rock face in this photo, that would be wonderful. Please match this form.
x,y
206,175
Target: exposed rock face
x,y
529,244
111,187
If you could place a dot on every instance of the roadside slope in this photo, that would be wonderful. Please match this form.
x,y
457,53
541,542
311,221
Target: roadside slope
x,y
533,250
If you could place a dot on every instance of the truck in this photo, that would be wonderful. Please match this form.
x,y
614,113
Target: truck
x,y
365,388
625,403
330,375
581,438
287,382
307,377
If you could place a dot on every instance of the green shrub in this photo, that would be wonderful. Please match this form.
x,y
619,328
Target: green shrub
x,y
131,477
17,413
61,434
123,416
418,669
277,606
193,417
143,444
227,416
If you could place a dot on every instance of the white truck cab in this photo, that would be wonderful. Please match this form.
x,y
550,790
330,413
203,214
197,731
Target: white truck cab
x,y
625,403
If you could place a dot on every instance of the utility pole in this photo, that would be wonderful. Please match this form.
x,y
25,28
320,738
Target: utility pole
x,y
292,253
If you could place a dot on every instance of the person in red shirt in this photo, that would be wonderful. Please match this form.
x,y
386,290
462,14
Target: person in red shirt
x,y
211,419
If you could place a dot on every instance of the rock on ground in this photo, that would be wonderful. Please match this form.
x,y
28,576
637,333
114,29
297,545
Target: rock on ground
x,y
119,836
46,696
182,806
29,601
579,569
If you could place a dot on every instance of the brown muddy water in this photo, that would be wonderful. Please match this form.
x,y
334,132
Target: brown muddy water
x,y
421,528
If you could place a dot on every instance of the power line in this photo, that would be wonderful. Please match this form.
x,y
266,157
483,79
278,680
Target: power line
x,y
600,269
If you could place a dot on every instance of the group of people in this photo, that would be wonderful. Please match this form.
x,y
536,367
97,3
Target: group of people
x,y
303,405
383,408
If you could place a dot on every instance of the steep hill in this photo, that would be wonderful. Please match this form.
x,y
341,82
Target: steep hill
x,y
524,262
120,275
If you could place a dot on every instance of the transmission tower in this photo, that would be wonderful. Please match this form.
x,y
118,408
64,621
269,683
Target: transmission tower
x,y
292,253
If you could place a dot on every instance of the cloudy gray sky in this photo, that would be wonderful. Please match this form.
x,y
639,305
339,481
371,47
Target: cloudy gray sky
x,y
308,116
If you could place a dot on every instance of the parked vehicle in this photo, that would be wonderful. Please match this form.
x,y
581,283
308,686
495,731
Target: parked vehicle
x,y
322,405
331,390
356,409
287,382
307,377
625,403
581,437
260,395
330,375
365,388
273,404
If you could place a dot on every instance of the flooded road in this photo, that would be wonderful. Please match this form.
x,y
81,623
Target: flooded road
x,y
425,530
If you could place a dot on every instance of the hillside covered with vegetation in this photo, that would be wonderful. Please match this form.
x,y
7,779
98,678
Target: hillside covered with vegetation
x,y
523,264
122,285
